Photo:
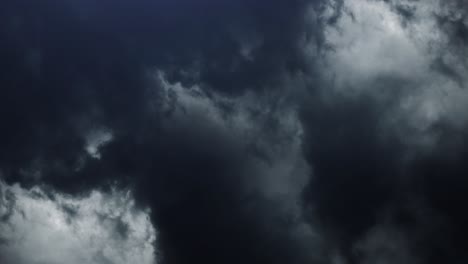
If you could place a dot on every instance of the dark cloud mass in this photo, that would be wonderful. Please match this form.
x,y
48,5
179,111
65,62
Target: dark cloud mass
x,y
303,131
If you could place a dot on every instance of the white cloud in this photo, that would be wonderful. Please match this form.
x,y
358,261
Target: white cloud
x,y
369,41
99,228
376,51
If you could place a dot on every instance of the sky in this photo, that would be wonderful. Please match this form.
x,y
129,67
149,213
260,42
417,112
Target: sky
x,y
233,131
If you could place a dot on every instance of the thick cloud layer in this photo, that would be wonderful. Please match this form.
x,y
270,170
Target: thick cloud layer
x,y
320,131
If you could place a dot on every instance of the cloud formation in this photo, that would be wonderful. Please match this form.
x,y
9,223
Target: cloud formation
x,y
304,131
39,227
384,131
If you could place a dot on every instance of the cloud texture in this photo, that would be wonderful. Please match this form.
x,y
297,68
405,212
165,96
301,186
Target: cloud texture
x,y
303,131
38,227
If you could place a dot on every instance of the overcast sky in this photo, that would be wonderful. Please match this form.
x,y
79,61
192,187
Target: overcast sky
x,y
233,131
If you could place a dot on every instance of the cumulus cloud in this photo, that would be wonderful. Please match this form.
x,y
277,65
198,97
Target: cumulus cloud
x,y
38,226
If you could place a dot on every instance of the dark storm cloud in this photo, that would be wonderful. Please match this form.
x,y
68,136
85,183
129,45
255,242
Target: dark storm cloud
x,y
68,66
256,131
201,184
82,105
